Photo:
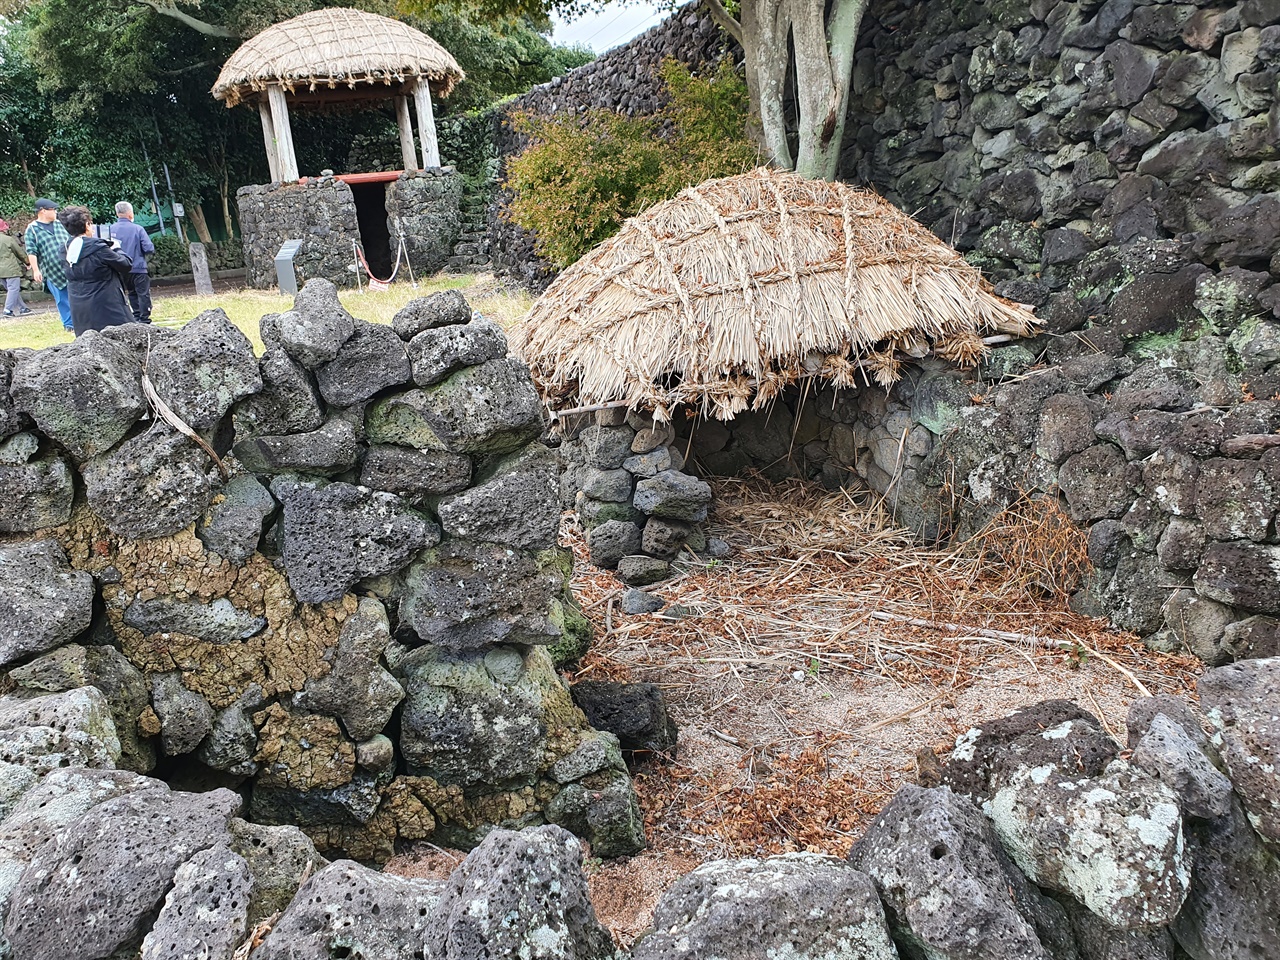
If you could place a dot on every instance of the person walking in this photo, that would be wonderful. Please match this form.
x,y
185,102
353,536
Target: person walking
x,y
95,276
13,264
46,241
136,245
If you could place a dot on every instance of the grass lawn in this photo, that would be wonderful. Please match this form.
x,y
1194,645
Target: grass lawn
x,y
245,307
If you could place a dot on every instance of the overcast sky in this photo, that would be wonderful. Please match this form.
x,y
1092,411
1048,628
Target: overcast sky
x,y
617,23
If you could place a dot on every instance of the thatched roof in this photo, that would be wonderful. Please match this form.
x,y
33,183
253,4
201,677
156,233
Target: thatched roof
x,y
334,49
739,287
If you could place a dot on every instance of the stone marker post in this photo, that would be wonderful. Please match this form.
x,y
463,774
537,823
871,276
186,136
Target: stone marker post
x,y
200,270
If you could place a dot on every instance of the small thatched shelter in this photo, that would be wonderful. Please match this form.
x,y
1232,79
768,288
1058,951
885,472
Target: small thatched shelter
x,y
738,288
338,56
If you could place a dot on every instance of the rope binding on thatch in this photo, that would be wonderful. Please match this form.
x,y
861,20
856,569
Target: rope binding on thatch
x,y
327,49
730,292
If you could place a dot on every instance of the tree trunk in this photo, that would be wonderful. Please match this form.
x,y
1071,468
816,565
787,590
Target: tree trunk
x,y
198,222
766,26
824,65
823,48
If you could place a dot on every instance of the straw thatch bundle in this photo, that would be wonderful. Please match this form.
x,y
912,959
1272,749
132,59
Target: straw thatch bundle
x,y
326,49
740,287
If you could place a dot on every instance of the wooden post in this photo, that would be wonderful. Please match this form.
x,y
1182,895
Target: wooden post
x,y
284,133
426,123
269,138
405,123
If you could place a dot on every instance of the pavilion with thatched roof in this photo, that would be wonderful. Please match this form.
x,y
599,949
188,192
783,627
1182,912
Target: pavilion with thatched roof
x,y
737,288
337,56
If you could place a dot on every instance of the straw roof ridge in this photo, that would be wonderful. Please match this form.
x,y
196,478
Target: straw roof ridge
x,y
739,287
335,47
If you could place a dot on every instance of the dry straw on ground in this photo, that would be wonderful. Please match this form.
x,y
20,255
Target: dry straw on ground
x,y
737,288
809,668
332,49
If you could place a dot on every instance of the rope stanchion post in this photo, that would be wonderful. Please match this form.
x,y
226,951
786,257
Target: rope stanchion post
x,y
355,256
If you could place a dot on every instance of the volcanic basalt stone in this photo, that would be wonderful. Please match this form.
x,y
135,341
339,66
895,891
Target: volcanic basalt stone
x,y
605,448
318,325
1092,482
1241,574
673,496
85,394
664,538
347,910
1170,754
611,486
10,420
43,602
152,485
372,359
185,717
476,719
1240,702
97,889
332,449
438,352
232,740
519,894
287,403
468,596
443,309
1229,913
69,729
216,621
612,540
948,888
1054,734
1252,638
602,809
106,668
357,689
641,570
489,409
35,495
205,369
206,913
338,534
413,474
635,713
801,904
517,502
1114,842
233,525
635,601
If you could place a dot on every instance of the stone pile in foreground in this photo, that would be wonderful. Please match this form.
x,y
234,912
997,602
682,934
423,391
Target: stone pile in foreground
x,y
1037,836
351,615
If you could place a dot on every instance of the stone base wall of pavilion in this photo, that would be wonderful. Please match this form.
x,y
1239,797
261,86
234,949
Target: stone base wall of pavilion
x,y
322,213
427,205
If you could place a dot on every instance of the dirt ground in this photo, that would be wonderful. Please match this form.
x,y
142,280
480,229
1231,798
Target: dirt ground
x,y
808,669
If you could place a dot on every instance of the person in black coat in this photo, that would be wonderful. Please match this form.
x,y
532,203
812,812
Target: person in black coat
x,y
95,276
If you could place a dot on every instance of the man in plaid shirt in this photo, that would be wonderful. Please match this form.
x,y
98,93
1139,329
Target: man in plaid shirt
x,y
46,240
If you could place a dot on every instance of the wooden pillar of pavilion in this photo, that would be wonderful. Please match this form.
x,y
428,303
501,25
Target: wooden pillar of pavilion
x,y
426,123
269,139
287,159
405,123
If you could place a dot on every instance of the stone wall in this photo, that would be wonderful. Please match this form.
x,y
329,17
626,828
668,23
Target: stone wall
x,y
321,212
624,80
353,615
427,206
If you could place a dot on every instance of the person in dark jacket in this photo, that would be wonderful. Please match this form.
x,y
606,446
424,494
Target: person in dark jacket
x,y
96,273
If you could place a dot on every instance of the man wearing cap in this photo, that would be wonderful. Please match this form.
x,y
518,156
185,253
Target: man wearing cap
x,y
46,240
135,244
13,264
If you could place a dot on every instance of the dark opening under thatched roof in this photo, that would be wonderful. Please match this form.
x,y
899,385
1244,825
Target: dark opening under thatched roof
x,y
737,288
